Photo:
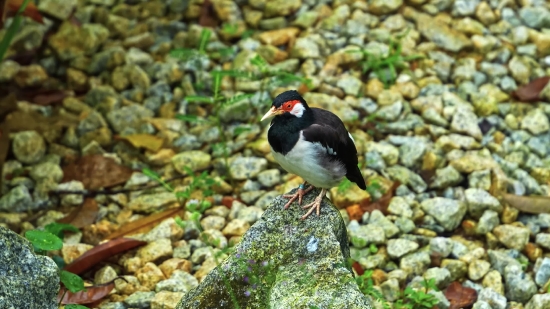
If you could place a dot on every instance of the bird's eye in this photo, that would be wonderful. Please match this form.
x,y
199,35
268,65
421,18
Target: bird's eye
x,y
288,106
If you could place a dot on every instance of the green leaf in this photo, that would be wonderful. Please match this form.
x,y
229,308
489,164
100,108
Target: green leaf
x,y
259,62
58,228
239,130
44,240
233,73
230,28
205,37
180,222
75,306
12,30
238,98
71,281
59,261
182,53
200,99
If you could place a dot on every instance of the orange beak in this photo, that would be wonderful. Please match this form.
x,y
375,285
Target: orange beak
x,y
272,113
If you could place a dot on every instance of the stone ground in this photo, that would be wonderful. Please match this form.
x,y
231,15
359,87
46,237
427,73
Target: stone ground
x,y
450,113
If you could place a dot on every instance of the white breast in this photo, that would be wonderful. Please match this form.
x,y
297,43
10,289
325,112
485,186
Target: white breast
x,y
311,162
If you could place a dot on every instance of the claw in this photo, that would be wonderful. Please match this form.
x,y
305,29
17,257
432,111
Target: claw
x,y
298,195
315,205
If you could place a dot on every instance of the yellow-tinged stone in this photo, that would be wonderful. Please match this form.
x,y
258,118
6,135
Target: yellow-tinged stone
x,y
279,36
260,146
408,90
373,88
389,97
149,275
509,214
252,17
350,196
541,174
431,161
272,54
542,41
430,80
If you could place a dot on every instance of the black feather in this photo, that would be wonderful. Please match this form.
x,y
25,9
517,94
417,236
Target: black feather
x,y
318,126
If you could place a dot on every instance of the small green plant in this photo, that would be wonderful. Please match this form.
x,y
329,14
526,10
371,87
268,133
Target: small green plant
x,y
366,286
49,239
344,185
373,188
385,67
418,299
203,181
195,54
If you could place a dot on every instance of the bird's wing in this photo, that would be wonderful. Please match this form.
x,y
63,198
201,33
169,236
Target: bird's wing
x,y
335,144
339,146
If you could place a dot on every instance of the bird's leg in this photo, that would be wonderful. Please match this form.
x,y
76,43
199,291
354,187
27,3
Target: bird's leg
x,y
316,204
298,195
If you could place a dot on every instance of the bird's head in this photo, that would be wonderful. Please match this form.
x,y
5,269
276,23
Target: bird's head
x,y
289,103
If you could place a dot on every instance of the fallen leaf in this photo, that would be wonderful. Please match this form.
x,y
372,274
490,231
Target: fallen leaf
x,y
89,295
31,11
82,216
530,92
102,252
358,269
51,97
534,204
96,171
382,203
8,104
33,121
142,224
208,17
147,141
227,201
460,296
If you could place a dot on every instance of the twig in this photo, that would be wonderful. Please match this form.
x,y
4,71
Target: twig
x,y
91,193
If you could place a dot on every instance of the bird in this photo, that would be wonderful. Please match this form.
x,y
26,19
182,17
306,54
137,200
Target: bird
x,y
312,143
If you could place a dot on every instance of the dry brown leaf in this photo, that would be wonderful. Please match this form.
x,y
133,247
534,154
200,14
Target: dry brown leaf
x,y
531,91
51,97
8,104
10,8
82,216
25,121
147,141
96,171
208,17
88,296
144,224
530,204
460,296
101,253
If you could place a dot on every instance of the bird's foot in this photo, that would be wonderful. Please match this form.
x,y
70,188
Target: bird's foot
x,y
302,191
316,204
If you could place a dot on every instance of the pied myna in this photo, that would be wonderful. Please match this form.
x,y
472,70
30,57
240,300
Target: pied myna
x,y
312,143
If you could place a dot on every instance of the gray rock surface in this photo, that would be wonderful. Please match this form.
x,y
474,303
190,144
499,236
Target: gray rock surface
x,y
27,280
306,262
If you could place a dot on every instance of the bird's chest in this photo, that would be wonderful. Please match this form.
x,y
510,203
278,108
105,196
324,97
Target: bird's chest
x,y
310,161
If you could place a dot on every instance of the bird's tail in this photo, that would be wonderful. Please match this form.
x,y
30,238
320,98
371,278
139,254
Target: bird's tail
x,y
357,177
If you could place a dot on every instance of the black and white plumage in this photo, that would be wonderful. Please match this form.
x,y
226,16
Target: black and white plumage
x,y
312,143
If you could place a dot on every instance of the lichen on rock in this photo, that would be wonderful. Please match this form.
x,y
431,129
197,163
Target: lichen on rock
x,y
299,264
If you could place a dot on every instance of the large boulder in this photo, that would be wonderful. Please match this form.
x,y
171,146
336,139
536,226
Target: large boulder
x,y
27,280
284,262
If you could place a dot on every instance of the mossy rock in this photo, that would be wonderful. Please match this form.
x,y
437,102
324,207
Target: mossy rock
x,y
284,262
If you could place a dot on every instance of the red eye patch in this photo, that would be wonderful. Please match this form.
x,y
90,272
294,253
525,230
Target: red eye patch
x,y
289,105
